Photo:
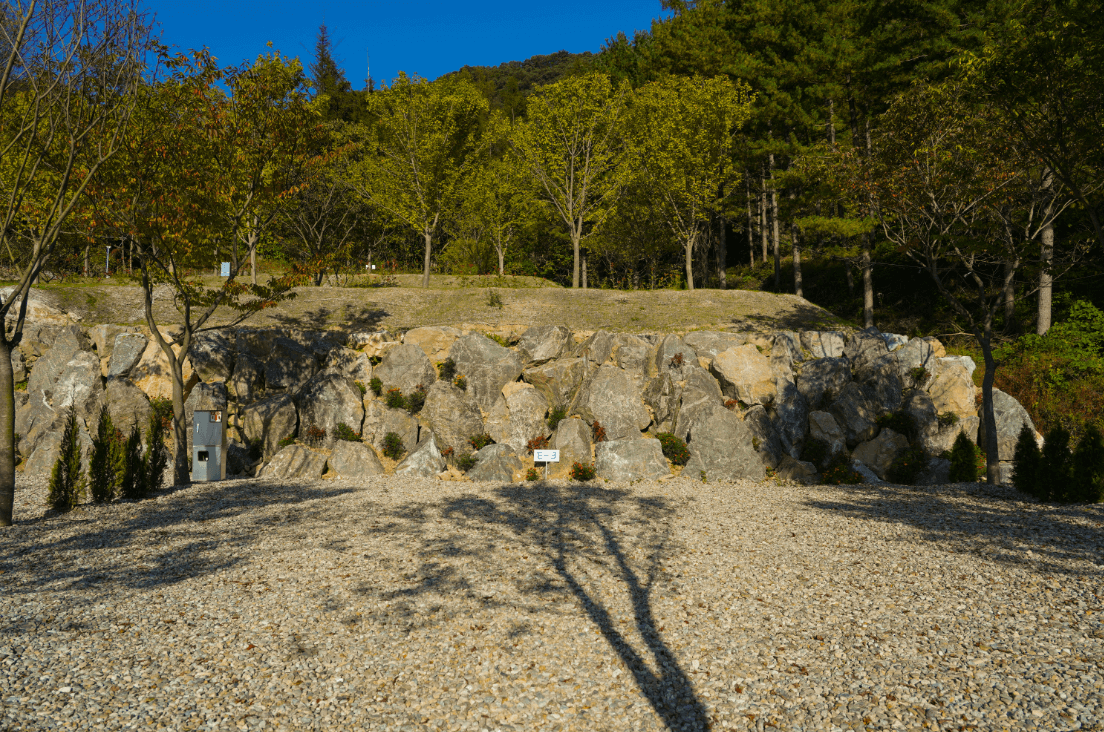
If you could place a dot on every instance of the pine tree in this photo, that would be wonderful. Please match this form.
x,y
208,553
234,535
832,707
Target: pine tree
x,y
1055,474
156,458
1088,467
1026,463
67,479
133,480
105,466
963,461
328,78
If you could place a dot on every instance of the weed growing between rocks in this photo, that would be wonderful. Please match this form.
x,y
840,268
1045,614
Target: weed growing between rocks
x,y
494,300
901,423
537,443
478,442
395,399
376,386
286,442
393,445
674,449
918,374
499,340
908,466
465,462
447,369
947,419
582,472
840,472
598,432
557,415
460,383
731,404
963,459
67,480
314,436
415,400
531,474
360,385
344,432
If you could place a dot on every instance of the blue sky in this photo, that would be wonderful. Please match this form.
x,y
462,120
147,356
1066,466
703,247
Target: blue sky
x,y
426,38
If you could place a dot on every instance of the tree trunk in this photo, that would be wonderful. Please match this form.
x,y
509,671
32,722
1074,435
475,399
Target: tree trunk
x,y
850,277
425,262
253,263
87,259
774,230
688,250
722,254
576,270
763,214
796,261
1046,281
1008,296
868,283
992,457
583,267
750,222
501,261
182,464
7,432
831,122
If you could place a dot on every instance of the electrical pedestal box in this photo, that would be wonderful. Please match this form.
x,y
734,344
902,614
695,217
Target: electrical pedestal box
x,y
209,445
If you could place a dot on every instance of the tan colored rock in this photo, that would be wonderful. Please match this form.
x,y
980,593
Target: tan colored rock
x,y
878,454
745,374
518,416
952,390
797,471
573,439
153,375
434,340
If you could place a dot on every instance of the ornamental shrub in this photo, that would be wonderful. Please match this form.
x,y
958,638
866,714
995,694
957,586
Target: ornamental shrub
x,y
393,446
1056,473
395,399
674,449
963,460
286,442
908,466
465,462
344,432
582,472
539,442
460,383
67,480
105,464
155,460
532,474
840,472
415,400
1026,463
314,436
1088,468
133,470
598,432
478,442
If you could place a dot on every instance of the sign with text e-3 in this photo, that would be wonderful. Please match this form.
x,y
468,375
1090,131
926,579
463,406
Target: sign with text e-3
x,y
546,456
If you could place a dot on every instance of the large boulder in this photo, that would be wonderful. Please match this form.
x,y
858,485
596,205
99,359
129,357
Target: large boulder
x,y
79,387
782,357
952,388
699,393
573,439
39,308
597,349
764,437
672,352
721,448
790,416
855,414
405,368
349,363
558,381
498,464
289,367
68,342
295,462
424,462
268,421
153,374
40,462
1010,417
518,416
453,416
823,427
19,366
611,398
212,356
823,343
745,375
822,380
487,367
797,471
631,354
128,405
126,352
707,344
245,383
918,353
329,400
662,396
630,459
878,454
935,436
434,340
103,338
543,343
380,420
877,369
354,460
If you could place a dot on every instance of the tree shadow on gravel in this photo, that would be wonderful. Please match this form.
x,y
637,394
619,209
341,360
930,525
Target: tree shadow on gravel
x,y
572,527
996,524
57,552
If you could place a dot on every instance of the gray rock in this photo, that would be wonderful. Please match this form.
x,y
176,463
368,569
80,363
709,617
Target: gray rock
x,y
256,342
573,439
406,367
496,463
543,343
354,460
19,366
697,378
867,474
238,459
126,353
721,447
328,400
40,464
764,438
822,380
435,340
295,462
937,472
823,343
630,459
379,420
1010,417
669,348
692,403
288,367
424,462
558,381
103,338
790,416
745,374
865,347
854,414
662,395
965,361
878,454
453,416
69,341
487,367
631,354
789,343
894,341
79,387
611,398
707,344
597,349
349,363
246,381
877,369
518,416
823,427
917,353
268,421
798,471
212,356
128,406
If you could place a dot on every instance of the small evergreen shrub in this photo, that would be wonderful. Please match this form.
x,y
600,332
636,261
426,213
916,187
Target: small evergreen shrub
x,y
131,485
963,460
395,399
674,449
598,432
537,443
344,432
816,452
460,383
155,460
582,472
105,464
840,472
557,415
1057,469
1027,463
314,436
531,474
286,442
360,385
393,445
67,479
478,442
1088,467
376,386
415,400
447,369
908,466
465,462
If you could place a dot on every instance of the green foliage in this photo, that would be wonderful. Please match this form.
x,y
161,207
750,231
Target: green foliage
x,y
67,481
447,369
106,463
360,385
582,471
155,460
465,462
499,340
908,466
393,446
963,457
313,436
555,416
478,442
918,374
674,449
376,385
1027,464
1056,473
415,400
132,485
532,474
816,452
1088,468
344,432
21,385
947,419
286,442
395,399
507,85
494,300
162,410
840,472
900,422
460,383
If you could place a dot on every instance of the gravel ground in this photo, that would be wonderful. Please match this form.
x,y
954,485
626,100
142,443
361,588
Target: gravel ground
x,y
435,605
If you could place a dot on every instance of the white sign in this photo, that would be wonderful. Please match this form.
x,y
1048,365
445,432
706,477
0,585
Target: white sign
x,y
546,456
225,269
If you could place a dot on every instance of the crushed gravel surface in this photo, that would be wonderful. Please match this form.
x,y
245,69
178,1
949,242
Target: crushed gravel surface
x,y
422,604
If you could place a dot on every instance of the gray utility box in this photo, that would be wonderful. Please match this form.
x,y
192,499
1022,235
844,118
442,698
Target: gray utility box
x,y
209,445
